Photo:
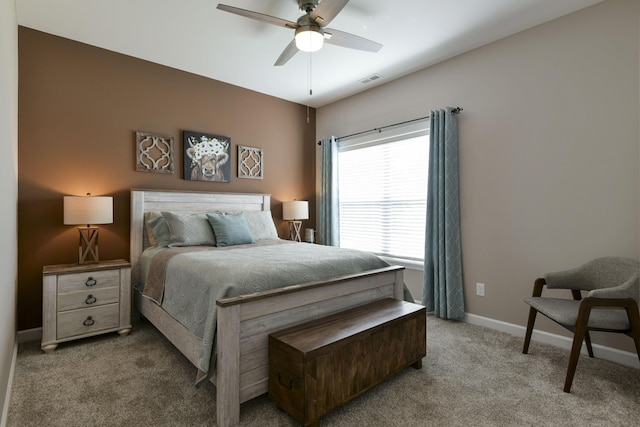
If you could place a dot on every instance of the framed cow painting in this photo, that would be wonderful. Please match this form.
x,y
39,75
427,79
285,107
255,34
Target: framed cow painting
x,y
207,157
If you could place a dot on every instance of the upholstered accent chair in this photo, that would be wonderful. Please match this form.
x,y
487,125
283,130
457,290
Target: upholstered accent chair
x,y
611,304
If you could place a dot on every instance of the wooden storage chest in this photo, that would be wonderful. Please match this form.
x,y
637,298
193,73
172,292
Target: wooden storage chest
x,y
317,366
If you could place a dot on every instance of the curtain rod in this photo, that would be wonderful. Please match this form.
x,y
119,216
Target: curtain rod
x,y
454,111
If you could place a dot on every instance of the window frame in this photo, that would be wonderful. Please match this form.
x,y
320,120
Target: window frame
x,y
417,128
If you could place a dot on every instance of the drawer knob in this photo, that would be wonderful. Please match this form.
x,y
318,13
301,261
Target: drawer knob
x,y
91,281
90,299
88,321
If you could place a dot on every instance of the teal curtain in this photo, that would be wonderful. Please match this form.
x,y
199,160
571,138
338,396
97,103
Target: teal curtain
x,y
443,289
329,221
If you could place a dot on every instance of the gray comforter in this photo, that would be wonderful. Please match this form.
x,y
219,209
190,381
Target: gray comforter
x,y
187,283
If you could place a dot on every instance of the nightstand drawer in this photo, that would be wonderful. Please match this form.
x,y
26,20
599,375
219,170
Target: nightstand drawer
x,y
88,280
88,320
88,298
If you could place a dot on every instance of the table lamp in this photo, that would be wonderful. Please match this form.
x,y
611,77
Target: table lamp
x,y
88,210
294,211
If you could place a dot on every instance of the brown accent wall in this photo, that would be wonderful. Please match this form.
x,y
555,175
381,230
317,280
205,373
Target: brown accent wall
x,y
79,109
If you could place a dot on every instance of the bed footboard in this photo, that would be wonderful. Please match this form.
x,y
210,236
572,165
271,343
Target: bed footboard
x,y
245,322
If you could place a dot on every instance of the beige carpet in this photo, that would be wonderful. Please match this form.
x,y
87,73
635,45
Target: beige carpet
x,y
471,376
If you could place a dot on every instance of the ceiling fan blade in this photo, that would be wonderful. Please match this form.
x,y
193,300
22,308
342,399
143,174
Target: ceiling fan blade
x,y
340,38
287,53
327,10
258,16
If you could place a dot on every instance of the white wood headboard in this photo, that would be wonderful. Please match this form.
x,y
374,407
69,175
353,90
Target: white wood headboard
x,y
143,201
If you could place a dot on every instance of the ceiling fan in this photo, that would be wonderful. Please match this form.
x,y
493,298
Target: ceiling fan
x,y
310,29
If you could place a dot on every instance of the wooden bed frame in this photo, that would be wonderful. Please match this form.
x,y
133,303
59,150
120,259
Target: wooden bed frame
x,y
245,322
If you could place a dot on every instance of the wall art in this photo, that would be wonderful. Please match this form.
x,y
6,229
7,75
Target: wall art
x,y
207,157
154,153
250,162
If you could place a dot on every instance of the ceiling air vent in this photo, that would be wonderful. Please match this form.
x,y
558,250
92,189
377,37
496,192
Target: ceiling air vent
x,y
371,78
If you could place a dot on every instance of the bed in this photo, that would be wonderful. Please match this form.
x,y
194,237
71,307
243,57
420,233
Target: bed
x,y
244,322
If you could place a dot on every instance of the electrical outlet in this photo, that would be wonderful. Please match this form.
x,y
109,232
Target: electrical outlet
x,y
480,289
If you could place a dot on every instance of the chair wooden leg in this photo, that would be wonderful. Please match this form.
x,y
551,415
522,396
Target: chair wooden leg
x,y
578,337
634,323
587,340
573,359
577,295
527,336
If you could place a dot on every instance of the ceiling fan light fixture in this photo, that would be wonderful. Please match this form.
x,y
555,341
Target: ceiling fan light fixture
x,y
309,39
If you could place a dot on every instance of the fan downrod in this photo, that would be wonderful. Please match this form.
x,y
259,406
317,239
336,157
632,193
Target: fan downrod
x,y
308,6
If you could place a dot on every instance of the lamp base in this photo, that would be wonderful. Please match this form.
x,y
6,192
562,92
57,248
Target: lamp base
x,y
88,246
294,230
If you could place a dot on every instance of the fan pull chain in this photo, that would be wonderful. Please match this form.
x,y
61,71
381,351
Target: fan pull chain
x,y
309,82
310,71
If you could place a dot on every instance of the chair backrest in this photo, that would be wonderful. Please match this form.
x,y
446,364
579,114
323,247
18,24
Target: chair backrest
x,y
607,272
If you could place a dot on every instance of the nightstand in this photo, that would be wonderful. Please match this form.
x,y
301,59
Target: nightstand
x,y
82,300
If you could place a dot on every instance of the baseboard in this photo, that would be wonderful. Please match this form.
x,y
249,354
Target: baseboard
x,y
608,353
21,336
7,396
34,334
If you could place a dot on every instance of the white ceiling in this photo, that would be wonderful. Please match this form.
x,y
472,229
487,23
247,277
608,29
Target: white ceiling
x,y
194,36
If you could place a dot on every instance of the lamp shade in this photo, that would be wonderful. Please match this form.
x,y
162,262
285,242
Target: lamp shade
x,y
88,210
309,39
295,210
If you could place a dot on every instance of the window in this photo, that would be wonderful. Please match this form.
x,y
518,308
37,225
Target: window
x,y
383,192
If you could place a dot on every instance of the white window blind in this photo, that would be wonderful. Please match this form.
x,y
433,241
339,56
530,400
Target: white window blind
x,y
383,192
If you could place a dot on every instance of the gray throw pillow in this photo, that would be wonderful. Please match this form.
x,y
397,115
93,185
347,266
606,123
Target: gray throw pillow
x,y
230,229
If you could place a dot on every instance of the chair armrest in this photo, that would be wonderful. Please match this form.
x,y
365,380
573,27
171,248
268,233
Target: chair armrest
x,y
590,302
537,287
567,279
629,289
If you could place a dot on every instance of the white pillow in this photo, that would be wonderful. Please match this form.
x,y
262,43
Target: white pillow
x,y
189,229
261,225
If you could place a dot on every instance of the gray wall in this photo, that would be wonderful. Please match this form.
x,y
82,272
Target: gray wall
x,y
549,149
8,191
